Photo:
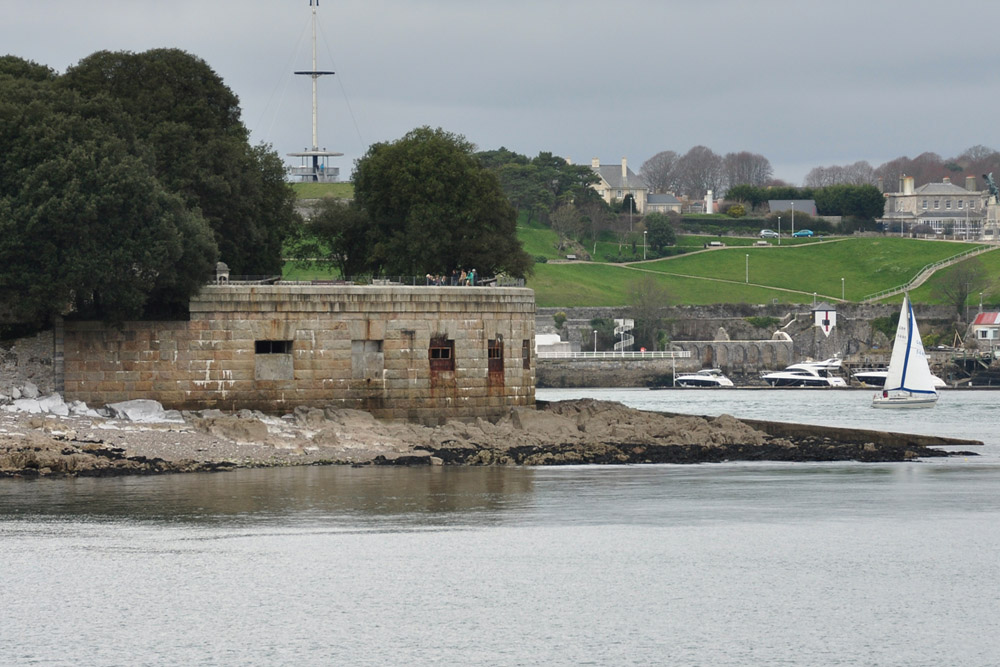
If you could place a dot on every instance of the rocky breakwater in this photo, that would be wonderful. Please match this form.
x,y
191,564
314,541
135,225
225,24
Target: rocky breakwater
x,y
588,431
138,437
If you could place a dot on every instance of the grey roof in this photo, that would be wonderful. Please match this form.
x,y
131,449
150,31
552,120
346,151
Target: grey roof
x,y
939,189
612,175
801,205
662,199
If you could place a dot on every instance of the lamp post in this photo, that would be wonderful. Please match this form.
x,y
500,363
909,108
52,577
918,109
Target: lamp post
x,y
793,218
748,269
595,341
841,289
779,230
644,244
980,302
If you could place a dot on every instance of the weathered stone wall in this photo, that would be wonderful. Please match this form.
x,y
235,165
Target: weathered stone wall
x,y
738,357
279,346
27,360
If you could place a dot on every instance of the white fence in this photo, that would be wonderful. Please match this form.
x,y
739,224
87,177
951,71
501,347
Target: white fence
x,y
585,356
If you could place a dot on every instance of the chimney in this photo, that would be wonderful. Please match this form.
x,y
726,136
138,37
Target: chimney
x,y
970,183
624,170
881,187
907,185
946,180
595,163
902,181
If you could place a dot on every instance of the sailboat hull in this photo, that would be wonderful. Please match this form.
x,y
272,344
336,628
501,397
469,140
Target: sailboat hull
x,y
904,400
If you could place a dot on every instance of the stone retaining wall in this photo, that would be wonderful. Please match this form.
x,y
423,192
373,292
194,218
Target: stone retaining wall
x,y
425,354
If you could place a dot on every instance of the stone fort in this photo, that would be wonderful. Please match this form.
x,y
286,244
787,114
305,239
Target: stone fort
x,y
421,354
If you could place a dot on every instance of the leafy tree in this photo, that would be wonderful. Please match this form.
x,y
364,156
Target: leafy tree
x,y
85,226
338,234
190,121
433,207
660,232
736,211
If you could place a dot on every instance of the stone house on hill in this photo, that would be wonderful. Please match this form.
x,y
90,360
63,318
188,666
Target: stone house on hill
x,y
618,181
944,207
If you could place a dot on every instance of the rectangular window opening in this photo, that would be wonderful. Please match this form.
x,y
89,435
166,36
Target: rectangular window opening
x,y
441,354
273,346
494,353
526,354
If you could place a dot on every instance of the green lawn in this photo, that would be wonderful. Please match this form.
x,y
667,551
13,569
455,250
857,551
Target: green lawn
x,y
867,265
320,190
583,284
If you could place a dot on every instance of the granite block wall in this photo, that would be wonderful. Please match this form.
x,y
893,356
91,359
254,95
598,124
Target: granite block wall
x,y
275,347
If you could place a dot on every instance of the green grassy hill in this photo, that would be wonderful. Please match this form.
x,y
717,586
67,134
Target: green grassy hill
x,y
788,273
738,273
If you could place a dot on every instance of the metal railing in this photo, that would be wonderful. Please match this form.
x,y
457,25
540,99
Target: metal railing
x,y
648,354
930,268
410,281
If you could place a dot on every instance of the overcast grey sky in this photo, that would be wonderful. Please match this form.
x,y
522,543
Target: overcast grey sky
x,y
804,83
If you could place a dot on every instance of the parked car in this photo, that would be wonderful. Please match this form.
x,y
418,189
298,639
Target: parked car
x,y
768,234
803,232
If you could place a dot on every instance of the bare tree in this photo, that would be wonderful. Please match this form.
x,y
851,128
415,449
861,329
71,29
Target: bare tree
x,y
745,168
659,172
699,171
859,173
959,283
648,300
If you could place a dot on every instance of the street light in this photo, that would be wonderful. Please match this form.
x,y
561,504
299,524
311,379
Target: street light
x,y
595,341
841,289
779,230
748,269
793,218
644,244
980,302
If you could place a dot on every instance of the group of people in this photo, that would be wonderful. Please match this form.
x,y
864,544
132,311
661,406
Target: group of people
x,y
456,279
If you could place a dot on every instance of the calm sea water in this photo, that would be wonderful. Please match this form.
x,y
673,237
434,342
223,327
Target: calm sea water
x,y
721,564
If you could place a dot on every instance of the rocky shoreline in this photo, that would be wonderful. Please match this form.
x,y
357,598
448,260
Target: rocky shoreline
x,y
581,431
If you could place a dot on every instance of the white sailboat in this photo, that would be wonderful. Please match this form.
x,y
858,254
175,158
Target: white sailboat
x,y
909,383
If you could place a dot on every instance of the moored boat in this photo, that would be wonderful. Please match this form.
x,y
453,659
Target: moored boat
x,y
807,374
706,377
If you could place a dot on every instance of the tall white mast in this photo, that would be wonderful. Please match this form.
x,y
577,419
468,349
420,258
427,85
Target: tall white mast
x,y
316,173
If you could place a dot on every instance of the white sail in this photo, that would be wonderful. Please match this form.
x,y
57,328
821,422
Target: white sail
x,y
909,382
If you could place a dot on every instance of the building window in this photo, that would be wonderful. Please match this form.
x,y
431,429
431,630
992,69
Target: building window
x,y
273,347
960,202
937,204
494,354
441,354
273,360
972,203
526,354
947,204
367,360
925,204
619,194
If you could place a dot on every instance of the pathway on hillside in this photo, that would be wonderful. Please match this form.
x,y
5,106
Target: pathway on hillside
x,y
925,273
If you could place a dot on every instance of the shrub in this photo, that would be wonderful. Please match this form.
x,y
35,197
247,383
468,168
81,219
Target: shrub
x,y
763,322
560,319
